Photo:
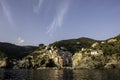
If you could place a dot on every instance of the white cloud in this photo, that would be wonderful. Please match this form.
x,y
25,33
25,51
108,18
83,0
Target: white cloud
x,y
36,8
7,12
20,40
58,19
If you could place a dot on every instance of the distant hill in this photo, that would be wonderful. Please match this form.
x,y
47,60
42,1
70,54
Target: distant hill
x,y
14,51
74,45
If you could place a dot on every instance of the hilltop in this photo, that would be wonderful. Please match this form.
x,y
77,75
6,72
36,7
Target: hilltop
x,y
74,45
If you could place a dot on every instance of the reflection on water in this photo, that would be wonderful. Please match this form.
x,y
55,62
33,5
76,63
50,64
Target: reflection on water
x,y
16,74
53,75
25,74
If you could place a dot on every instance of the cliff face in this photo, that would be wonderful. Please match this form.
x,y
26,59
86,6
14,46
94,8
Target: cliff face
x,y
93,61
48,57
76,53
104,54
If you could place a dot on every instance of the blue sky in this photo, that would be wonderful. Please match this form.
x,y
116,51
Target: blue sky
x,y
31,22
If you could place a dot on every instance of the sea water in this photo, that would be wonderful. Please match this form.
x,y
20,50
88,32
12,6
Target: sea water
x,y
63,74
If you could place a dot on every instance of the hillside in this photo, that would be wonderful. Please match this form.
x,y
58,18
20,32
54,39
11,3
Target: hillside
x,y
74,45
110,46
14,51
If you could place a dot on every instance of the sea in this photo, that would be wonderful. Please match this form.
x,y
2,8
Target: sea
x,y
56,74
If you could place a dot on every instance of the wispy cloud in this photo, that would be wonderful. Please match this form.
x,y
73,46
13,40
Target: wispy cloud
x,y
7,12
58,19
20,40
37,7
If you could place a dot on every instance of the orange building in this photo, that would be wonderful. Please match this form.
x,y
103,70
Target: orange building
x,y
60,61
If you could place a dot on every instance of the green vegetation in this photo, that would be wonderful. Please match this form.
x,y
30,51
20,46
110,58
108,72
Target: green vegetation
x,y
112,47
108,46
74,45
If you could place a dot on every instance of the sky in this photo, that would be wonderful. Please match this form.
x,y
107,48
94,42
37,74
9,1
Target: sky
x,y
32,22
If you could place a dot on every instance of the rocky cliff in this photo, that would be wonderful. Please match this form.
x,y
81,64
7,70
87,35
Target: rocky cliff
x,y
46,56
102,54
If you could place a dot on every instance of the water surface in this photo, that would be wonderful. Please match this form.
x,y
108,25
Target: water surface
x,y
47,74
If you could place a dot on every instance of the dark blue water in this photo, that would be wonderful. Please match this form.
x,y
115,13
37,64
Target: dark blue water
x,y
47,74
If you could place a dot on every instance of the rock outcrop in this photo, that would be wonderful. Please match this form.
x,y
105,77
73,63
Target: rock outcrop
x,y
47,57
88,59
94,58
2,63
